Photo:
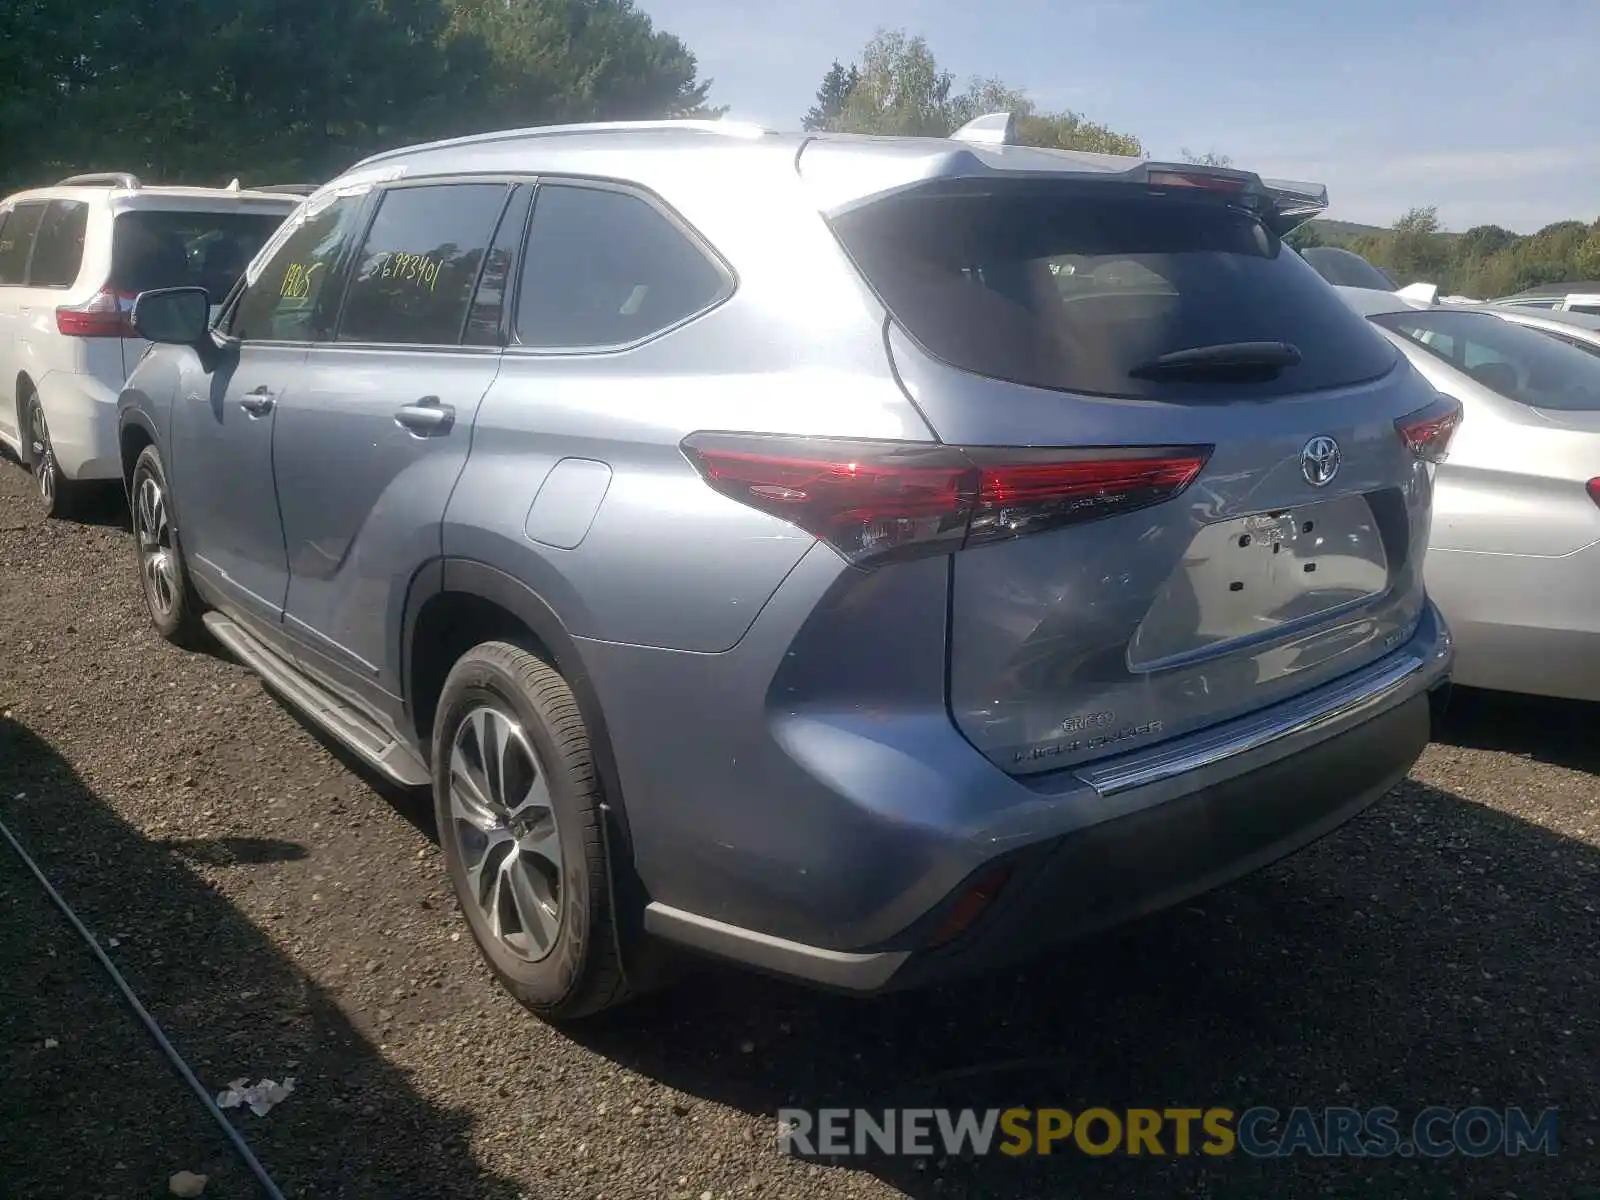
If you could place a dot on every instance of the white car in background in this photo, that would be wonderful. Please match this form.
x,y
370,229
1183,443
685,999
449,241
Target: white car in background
x,y
72,259
1515,549
1582,298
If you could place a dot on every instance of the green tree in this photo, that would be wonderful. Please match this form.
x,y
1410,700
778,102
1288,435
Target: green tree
x,y
1587,258
1073,131
1416,252
1306,236
898,87
1209,159
536,62
297,89
1481,241
828,112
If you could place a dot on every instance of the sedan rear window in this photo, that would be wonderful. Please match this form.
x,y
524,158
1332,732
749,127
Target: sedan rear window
x,y
1075,286
160,249
1519,363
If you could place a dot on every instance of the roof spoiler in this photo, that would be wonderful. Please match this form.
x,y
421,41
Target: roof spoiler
x,y
1288,202
1295,203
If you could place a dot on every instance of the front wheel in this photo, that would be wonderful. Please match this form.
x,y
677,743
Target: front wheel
x,y
169,597
520,817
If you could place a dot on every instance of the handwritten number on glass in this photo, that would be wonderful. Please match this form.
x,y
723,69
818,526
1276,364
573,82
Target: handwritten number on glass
x,y
297,281
413,268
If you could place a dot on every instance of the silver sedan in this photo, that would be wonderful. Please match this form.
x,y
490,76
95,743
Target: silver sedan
x,y
1514,560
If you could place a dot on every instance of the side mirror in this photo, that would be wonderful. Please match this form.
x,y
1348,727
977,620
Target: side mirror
x,y
179,316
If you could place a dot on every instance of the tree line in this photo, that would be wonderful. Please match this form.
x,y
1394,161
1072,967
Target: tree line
x,y
1483,262
289,91
284,91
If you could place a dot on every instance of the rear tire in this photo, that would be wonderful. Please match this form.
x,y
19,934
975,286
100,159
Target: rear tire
x,y
58,495
169,596
521,824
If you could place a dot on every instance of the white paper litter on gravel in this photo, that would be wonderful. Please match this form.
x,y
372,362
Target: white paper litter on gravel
x,y
258,1098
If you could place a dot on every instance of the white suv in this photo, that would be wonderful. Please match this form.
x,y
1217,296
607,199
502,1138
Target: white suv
x,y
72,259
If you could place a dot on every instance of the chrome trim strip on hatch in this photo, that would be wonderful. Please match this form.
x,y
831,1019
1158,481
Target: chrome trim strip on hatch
x,y
1361,691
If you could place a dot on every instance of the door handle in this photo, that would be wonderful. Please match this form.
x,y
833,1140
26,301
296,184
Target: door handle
x,y
258,403
426,417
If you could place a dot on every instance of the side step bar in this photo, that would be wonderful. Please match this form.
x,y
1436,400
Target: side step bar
x,y
383,753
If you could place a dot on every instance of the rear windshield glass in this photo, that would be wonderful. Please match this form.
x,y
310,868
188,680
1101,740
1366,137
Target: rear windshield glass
x,y
1072,286
1346,268
1519,363
158,249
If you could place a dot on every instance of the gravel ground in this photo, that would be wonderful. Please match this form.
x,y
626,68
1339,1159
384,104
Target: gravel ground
x,y
281,915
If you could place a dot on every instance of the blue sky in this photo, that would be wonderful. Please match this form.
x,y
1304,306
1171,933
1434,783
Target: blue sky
x,y
1485,108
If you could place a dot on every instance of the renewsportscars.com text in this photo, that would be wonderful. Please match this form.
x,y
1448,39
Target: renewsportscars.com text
x,y
1259,1132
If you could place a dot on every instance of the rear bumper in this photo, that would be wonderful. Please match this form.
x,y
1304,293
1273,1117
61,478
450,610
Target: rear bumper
x,y
82,414
1160,856
1159,828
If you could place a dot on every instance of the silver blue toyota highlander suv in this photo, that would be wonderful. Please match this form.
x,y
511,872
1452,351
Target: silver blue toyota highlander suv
x,y
868,560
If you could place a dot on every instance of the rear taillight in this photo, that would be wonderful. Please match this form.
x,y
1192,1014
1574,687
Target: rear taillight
x,y
1594,490
1021,491
876,501
1427,432
107,314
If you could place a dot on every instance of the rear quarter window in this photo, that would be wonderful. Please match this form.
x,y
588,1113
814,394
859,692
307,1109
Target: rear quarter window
x,y
1070,286
58,252
16,242
605,269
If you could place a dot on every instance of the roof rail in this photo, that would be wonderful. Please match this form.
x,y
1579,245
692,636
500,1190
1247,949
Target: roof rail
x,y
722,125
288,189
102,178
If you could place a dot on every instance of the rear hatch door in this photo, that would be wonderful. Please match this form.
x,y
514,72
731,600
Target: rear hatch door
x,y
1204,499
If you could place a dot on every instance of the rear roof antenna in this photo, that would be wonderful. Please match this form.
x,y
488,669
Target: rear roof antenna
x,y
234,186
991,129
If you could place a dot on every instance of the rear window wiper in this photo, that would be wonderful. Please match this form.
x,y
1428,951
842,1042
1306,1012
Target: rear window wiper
x,y
1226,360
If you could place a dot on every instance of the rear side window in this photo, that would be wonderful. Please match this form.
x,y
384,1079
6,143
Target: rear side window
x,y
16,242
1072,286
153,248
283,302
58,252
414,276
605,269
1519,363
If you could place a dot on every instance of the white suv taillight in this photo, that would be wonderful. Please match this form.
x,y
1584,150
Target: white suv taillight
x,y
106,314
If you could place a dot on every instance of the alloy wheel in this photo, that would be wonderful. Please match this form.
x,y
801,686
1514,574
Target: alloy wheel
x,y
152,526
44,456
505,824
